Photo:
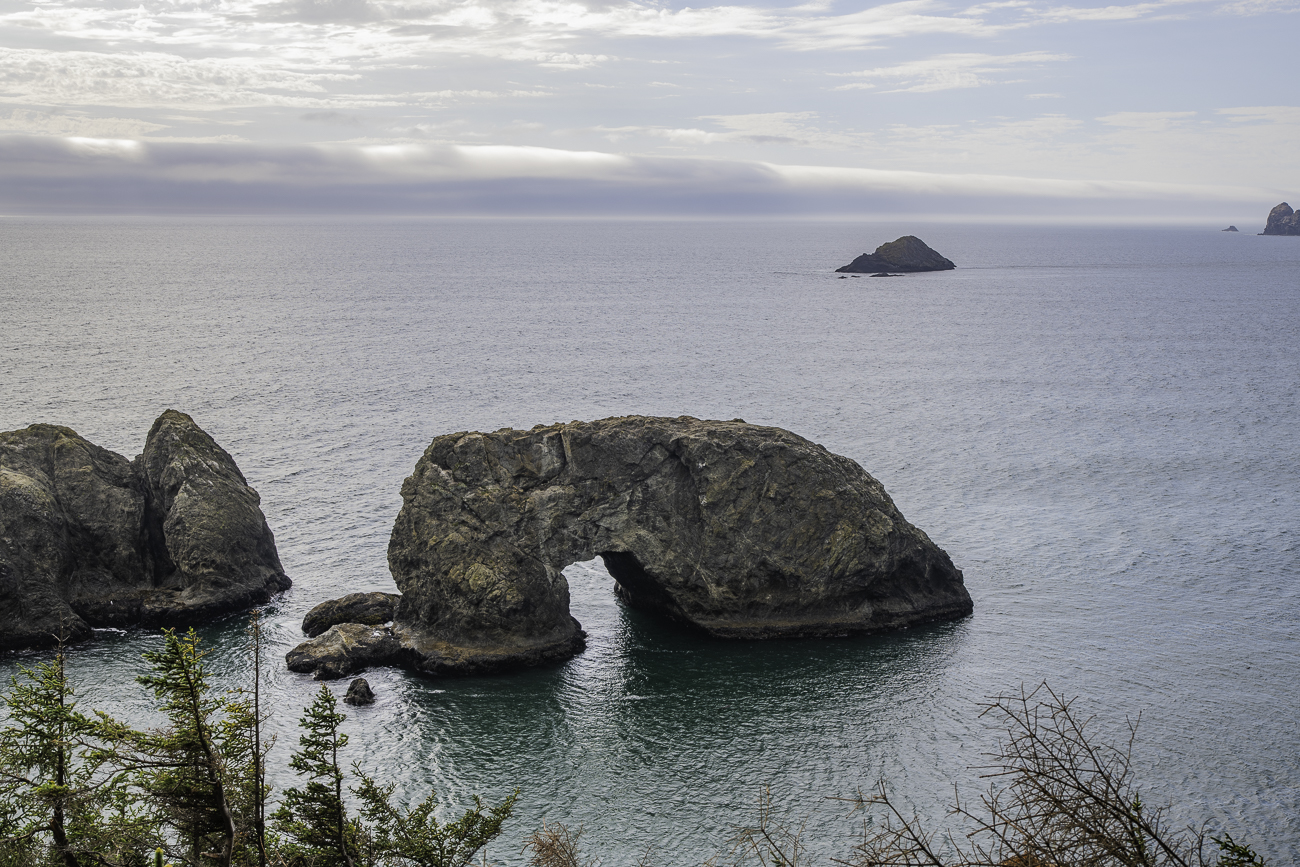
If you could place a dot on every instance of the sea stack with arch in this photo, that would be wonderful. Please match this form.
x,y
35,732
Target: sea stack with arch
x,y
740,530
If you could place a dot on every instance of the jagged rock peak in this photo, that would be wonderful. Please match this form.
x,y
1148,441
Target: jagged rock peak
x,y
739,530
909,254
89,539
1282,221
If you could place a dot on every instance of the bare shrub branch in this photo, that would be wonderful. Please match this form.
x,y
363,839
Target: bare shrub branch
x,y
1055,798
555,846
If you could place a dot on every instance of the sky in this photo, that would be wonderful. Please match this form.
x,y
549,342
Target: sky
x,y
1178,109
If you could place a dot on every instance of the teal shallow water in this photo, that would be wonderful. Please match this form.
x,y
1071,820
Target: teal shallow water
x,y
1098,425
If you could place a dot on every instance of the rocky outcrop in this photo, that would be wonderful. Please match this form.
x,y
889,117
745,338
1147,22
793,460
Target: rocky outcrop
x,y
359,693
739,530
908,254
1282,221
368,609
346,648
89,539
1229,229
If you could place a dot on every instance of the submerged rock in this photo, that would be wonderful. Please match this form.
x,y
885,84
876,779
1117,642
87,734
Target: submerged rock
x,y
740,530
370,609
908,254
359,693
1282,221
88,539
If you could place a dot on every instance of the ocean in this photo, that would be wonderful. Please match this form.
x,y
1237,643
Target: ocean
x,y
1100,425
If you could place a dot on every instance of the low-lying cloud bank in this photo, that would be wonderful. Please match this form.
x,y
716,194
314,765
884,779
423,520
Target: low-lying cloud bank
x,y
48,175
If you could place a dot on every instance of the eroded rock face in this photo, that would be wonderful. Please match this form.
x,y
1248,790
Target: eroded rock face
x,y
89,539
908,254
740,530
1282,221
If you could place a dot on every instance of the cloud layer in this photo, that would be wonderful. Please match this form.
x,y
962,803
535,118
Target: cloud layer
x,y
84,175
1130,90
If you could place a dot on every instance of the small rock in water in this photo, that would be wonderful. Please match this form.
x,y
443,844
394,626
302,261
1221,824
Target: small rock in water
x,y
1229,229
909,253
359,693
370,609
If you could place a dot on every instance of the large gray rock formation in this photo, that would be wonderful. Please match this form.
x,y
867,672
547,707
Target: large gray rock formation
x,y
1282,221
89,539
740,530
909,254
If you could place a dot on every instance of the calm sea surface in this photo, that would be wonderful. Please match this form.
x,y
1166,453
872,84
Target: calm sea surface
x,y
1101,426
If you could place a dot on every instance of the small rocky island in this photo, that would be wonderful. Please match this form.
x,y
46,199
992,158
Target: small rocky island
x,y
90,539
909,254
1282,221
1229,229
738,530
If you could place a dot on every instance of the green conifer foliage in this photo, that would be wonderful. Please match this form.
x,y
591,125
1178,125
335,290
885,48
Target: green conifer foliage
x,y
57,804
239,736
314,818
183,769
415,838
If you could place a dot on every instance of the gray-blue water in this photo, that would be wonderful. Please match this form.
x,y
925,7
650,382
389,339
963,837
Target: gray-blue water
x,y
1101,426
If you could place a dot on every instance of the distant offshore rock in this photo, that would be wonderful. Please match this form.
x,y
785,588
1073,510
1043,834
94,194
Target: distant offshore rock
x,y
739,530
1282,221
909,254
90,539
1230,229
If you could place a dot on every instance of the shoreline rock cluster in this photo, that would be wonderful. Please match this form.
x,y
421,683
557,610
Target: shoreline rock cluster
x,y
738,530
89,539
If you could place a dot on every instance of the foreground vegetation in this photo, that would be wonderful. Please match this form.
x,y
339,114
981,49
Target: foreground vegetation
x,y
80,790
